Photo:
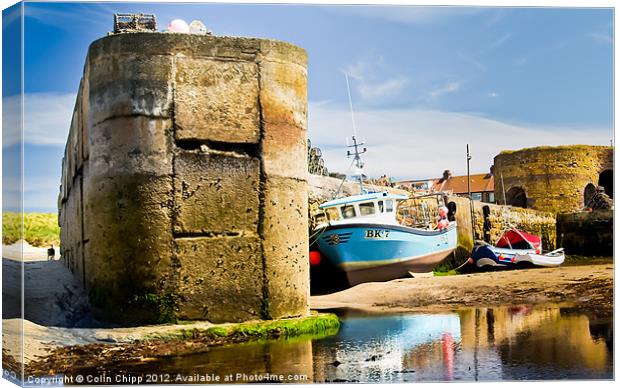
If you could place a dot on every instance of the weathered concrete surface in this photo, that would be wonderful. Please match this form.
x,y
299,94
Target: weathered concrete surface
x,y
221,278
216,100
216,193
553,178
287,273
184,179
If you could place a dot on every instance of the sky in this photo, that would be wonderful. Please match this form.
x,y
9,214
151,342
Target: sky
x,y
425,81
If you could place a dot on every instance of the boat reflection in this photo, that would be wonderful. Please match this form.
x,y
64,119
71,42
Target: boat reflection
x,y
504,343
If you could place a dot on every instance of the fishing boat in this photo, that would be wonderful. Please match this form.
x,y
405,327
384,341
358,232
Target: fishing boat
x,y
363,239
515,249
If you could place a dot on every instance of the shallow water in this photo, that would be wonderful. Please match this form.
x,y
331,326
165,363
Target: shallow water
x,y
508,343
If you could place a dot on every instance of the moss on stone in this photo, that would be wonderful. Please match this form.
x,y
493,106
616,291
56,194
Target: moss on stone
x,y
314,325
575,147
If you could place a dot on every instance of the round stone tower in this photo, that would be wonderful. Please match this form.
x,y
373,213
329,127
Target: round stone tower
x,y
184,190
558,179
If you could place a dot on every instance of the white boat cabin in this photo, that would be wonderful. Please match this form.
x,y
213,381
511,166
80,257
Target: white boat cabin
x,y
363,208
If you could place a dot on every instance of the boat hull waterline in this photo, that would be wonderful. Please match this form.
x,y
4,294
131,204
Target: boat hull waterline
x,y
379,252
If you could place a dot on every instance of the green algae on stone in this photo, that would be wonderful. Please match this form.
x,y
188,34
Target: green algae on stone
x,y
314,325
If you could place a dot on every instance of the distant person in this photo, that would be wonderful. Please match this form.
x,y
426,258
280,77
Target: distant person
x,y
51,252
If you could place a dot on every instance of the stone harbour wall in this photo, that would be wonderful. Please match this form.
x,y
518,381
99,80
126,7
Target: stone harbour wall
x,y
184,179
587,233
552,178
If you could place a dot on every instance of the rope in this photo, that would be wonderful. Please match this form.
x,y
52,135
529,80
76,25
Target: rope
x,y
462,265
319,232
344,179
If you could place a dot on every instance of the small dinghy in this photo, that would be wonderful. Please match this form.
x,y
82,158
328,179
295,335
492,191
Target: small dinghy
x,y
515,249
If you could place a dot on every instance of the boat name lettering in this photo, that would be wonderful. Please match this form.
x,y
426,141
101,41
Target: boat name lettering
x,y
377,233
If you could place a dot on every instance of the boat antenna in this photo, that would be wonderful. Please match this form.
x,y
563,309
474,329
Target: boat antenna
x,y
471,200
346,77
359,164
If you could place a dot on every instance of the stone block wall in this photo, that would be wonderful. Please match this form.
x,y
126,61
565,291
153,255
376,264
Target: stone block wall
x,y
184,185
553,178
587,233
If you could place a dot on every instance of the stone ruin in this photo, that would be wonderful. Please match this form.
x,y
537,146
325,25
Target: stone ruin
x,y
557,179
184,179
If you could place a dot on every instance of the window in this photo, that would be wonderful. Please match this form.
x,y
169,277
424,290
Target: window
x,y
476,196
332,214
380,203
491,197
348,211
389,206
367,208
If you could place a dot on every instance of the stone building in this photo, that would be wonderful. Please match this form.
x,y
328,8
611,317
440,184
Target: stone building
x,y
184,179
558,179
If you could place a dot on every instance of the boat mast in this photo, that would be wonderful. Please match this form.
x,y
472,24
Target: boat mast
x,y
359,164
471,200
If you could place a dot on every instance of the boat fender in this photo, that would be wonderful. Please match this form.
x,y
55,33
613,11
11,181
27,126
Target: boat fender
x,y
315,258
443,222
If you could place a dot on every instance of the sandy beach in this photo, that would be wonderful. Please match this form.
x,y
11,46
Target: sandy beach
x,y
584,284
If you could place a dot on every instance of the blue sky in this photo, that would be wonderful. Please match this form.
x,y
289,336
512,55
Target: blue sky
x,y
425,81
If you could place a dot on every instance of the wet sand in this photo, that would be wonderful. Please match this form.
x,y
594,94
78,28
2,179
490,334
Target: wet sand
x,y
583,284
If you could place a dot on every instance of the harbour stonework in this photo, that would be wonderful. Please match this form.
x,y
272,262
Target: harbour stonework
x,y
184,179
557,179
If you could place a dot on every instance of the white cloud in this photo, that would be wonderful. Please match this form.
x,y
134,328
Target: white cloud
x,y
450,87
600,38
368,83
47,117
408,143
493,94
382,90
414,14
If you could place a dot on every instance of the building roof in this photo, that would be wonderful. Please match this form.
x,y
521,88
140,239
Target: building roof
x,y
458,184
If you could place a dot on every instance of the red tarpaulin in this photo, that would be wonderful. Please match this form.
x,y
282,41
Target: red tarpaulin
x,y
518,239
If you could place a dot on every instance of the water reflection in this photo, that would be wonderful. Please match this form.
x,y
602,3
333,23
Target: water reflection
x,y
379,348
511,343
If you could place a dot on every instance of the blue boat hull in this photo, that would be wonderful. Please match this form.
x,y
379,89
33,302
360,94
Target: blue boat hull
x,y
378,252
491,257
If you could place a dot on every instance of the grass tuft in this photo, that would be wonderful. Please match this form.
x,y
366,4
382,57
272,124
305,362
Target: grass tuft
x,y
40,229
